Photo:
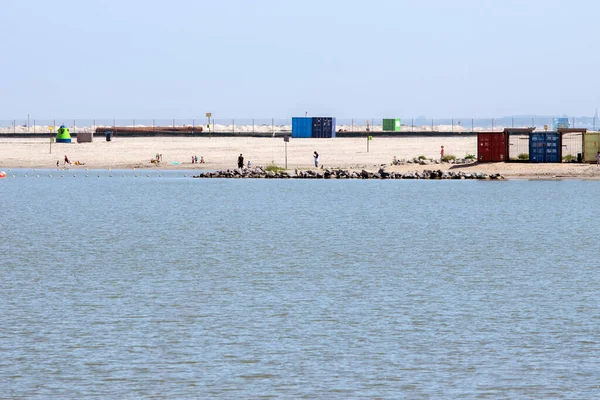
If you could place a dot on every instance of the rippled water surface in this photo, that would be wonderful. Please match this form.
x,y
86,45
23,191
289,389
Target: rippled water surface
x,y
130,284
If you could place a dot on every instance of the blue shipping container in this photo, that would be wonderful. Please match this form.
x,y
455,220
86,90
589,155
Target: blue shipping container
x,y
323,127
302,127
545,147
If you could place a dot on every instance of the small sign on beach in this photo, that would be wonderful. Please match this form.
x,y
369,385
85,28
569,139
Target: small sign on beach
x,y
51,128
208,115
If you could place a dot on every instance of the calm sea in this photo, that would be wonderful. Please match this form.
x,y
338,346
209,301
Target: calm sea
x,y
146,284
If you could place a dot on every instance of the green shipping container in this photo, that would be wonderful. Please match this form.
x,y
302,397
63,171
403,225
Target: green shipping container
x,y
591,146
392,125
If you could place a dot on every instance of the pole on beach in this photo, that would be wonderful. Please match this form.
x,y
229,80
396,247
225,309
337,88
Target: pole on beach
x,y
50,129
34,126
233,125
352,124
286,139
252,125
452,125
472,125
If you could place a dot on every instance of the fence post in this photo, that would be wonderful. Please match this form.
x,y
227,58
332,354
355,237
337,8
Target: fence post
x,y
452,125
431,124
34,126
173,123
233,126
14,126
472,125
134,122
252,125
412,124
74,130
273,126
352,124
492,124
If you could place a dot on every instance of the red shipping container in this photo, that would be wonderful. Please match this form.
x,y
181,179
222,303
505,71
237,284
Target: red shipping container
x,y
492,147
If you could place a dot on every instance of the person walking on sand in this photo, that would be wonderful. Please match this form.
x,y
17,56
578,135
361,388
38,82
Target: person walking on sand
x,y
442,154
241,161
316,157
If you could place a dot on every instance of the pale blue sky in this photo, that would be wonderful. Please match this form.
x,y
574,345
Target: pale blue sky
x,y
276,58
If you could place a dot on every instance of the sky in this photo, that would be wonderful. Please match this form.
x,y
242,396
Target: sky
x,y
276,58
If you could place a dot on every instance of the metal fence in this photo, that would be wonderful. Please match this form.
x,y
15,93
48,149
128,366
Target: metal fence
x,y
284,125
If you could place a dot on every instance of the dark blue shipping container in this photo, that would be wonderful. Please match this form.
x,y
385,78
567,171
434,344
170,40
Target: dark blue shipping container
x,y
302,127
545,147
323,127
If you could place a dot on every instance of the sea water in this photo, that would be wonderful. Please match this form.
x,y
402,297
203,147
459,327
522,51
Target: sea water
x,y
129,284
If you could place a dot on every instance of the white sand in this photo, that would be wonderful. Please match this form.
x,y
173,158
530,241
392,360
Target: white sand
x,y
222,153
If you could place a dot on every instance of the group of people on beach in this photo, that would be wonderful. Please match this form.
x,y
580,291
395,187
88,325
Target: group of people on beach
x,y
196,161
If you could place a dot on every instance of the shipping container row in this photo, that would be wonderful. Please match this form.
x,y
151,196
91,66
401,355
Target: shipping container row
x,y
543,147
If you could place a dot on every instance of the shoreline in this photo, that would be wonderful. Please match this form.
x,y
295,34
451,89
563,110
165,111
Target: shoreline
x,y
221,154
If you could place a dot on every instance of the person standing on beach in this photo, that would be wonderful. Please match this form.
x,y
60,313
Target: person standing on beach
x,y
598,159
241,161
316,157
442,154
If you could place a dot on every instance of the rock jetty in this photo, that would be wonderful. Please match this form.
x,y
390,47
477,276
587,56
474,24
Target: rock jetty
x,y
260,173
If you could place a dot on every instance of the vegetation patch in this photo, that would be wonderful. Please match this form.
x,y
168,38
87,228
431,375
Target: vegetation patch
x,y
523,156
448,158
274,168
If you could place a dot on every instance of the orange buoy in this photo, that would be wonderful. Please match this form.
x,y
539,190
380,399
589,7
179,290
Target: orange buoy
x,y
2,174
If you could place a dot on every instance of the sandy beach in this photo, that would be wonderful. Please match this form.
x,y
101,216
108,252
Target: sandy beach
x,y
221,153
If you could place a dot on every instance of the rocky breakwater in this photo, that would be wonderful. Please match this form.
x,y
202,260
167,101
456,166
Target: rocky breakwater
x,y
260,173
